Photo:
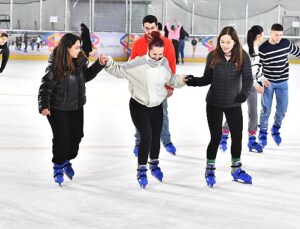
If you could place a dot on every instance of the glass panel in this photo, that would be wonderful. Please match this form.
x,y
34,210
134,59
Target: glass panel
x,y
26,15
181,11
265,19
53,15
206,17
5,14
110,16
79,12
230,16
142,8
290,20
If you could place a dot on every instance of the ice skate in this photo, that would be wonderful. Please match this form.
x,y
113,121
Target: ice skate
x,y
68,170
240,175
155,170
262,137
253,145
58,174
142,176
275,134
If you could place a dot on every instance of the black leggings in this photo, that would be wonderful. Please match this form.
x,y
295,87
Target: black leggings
x,y
67,128
148,121
234,119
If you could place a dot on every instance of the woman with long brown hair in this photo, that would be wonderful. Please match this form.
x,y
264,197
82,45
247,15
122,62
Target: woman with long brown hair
x,y
61,98
228,71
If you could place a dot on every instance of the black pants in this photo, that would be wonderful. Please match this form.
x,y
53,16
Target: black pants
x,y
234,119
176,47
67,128
148,122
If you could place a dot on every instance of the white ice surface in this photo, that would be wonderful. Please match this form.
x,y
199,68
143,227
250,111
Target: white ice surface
x,y
104,192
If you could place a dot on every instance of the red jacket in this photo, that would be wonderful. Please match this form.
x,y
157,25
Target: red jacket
x,y
140,48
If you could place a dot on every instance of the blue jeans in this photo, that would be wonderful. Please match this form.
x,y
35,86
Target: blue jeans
x,y
181,49
281,91
165,135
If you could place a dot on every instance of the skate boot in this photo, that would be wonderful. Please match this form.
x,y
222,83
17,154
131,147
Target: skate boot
x,y
170,148
253,145
240,175
210,175
68,170
155,170
262,137
58,174
136,150
142,176
275,134
223,142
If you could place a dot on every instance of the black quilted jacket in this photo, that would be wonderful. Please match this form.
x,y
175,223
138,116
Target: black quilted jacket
x,y
226,82
68,93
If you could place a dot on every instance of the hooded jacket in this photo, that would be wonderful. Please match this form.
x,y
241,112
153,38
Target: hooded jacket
x,y
68,93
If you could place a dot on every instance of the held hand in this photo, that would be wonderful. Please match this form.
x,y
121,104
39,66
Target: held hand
x,y
190,80
46,112
103,59
267,83
240,98
259,89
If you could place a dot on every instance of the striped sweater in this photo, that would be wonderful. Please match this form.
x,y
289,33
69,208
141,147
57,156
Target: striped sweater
x,y
274,59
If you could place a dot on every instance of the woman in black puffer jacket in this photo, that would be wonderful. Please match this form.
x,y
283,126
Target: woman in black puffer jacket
x,y
61,98
228,71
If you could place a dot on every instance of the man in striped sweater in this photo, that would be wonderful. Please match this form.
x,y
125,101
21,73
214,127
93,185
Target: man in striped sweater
x,y
274,66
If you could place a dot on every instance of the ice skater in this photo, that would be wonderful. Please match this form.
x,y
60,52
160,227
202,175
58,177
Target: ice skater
x,y
228,71
87,46
274,64
255,37
61,98
140,48
4,50
147,75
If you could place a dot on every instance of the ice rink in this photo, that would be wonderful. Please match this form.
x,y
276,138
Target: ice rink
x,y
105,193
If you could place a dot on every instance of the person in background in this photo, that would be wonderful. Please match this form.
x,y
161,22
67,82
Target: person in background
x,y
183,35
174,33
87,46
4,50
140,48
194,46
61,98
228,71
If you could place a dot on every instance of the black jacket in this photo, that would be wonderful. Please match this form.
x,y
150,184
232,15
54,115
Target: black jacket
x,y
226,82
67,94
4,50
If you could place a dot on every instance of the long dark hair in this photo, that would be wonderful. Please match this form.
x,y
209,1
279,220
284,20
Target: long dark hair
x,y
236,53
251,36
63,62
155,41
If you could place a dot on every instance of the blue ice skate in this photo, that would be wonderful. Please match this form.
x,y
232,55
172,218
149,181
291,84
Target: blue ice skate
x,y
142,176
210,176
262,137
275,134
253,145
58,174
68,170
240,175
223,142
155,170
136,150
170,148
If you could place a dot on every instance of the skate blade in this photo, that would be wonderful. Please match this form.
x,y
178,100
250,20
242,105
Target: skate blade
x,y
242,182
